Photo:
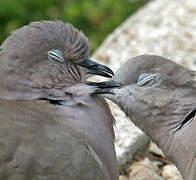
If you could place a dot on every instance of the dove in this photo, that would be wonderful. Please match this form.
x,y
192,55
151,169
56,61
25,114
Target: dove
x,y
159,96
52,125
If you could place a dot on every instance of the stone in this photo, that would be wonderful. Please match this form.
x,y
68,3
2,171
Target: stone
x,y
144,170
170,172
123,178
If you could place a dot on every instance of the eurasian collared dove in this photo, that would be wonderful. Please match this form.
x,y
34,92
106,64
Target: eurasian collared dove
x,y
51,126
160,98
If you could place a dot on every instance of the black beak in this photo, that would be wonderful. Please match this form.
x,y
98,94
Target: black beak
x,y
104,87
96,69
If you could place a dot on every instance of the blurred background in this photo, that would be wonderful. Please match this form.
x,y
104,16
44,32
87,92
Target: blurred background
x,y
96,18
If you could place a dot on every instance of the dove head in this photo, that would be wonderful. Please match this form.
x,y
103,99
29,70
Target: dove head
x,y
42,56
155,92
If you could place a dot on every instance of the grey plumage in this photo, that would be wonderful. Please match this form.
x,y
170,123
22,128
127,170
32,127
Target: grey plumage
x,y
51,125
160,98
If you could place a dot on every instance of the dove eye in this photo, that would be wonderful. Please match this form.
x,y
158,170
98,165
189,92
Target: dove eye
x,y
55,55
146,79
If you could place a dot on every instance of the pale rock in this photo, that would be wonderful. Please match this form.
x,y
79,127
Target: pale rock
x,y
123,178
170,172
144,170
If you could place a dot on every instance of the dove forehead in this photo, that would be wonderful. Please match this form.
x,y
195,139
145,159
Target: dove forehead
x,y
32,42
129,72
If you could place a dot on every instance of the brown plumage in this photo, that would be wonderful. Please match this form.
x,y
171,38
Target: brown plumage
x,y
160,98
51,125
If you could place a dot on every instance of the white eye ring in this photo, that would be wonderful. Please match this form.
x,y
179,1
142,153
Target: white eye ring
x,y
55,55
146,79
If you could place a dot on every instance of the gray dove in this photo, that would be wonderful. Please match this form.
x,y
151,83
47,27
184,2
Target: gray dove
x,y
52,126
160,98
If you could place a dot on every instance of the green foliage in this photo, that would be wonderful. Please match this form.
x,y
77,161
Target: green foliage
x,y
96,18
